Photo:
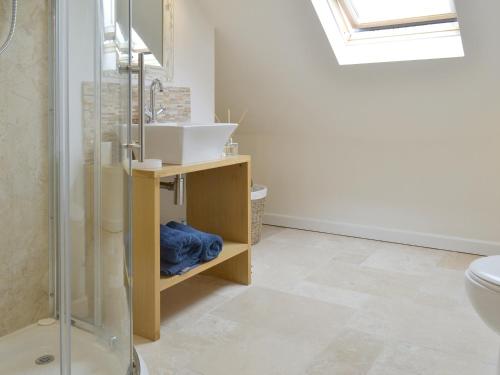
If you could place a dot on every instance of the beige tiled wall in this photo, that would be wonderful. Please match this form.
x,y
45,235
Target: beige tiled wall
x,y
176,100
24,168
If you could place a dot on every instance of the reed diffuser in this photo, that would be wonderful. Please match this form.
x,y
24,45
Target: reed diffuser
x,y
232,148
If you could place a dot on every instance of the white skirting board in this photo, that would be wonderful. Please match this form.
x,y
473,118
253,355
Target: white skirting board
x,y
435,241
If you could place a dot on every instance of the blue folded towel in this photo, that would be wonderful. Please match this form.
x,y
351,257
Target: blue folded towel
x,y
170,269
211,243
178,250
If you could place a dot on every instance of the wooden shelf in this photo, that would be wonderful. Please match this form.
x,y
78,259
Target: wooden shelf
x,y
169,170
217,201
230,250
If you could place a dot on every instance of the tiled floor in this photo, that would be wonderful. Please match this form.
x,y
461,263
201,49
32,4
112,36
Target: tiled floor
x,y
326,305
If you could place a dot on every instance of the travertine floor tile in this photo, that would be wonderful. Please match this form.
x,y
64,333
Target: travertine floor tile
x,y
444,289
185,303
218,286
438,329
269,231
306,239
337,296
352,353
399,359
367,280
253,351
326,305
281,266
405,259
457,261
286,314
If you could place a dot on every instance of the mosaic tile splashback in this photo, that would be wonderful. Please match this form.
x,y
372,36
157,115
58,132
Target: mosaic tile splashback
x,y
176,100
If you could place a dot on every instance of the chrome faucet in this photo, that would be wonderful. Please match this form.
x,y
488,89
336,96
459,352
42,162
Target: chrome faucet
x,y
152,113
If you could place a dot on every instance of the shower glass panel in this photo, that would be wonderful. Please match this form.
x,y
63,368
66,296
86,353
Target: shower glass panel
x,y
98,185
65,118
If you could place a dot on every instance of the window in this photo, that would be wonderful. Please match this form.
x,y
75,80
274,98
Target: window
x,y
370,13
370,31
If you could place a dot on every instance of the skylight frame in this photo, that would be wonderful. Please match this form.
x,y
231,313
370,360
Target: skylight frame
x,y
359,21
351,33
364,46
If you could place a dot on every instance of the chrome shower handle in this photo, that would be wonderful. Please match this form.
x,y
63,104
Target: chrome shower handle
x,y
142,113
140,85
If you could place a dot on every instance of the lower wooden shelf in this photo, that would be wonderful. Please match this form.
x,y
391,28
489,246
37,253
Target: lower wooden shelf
x,y
218,201
230,250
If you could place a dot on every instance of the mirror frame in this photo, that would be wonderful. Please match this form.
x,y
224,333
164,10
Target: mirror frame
x,y
168,39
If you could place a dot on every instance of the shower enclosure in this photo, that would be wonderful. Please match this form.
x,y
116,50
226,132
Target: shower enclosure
x,y
65,162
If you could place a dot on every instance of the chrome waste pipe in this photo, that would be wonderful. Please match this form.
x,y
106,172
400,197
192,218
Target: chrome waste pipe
x,y
178,186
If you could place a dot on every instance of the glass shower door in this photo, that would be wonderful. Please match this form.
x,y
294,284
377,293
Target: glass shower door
x,y
112,184
94,104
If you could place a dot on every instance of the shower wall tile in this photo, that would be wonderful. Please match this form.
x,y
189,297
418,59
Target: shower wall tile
x,y
24,168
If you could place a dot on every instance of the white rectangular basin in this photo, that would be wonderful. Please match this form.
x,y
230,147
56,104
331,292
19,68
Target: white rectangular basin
x,y
179,143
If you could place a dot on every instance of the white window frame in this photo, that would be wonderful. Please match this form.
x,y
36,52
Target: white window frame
x,y
357,19
361,46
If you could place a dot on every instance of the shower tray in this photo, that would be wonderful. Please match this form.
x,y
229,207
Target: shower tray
x,y
20,351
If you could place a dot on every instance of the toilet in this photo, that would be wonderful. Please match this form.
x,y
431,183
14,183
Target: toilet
x,y
482,282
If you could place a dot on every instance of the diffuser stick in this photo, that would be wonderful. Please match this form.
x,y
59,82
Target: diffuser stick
x,y
243,116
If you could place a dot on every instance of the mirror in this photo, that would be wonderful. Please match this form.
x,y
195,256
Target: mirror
x,y
153,31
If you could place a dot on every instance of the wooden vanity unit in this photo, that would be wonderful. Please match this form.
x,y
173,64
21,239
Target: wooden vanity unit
x,y
218,201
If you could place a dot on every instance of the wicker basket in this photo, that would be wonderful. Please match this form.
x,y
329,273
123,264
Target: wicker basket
x,y
259,194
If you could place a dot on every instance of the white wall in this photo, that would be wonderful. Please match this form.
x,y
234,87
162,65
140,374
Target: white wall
x,y
194,67
194,58
404,152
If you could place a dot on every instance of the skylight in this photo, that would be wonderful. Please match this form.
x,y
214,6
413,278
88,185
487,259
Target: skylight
x,y
370,31
373,13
